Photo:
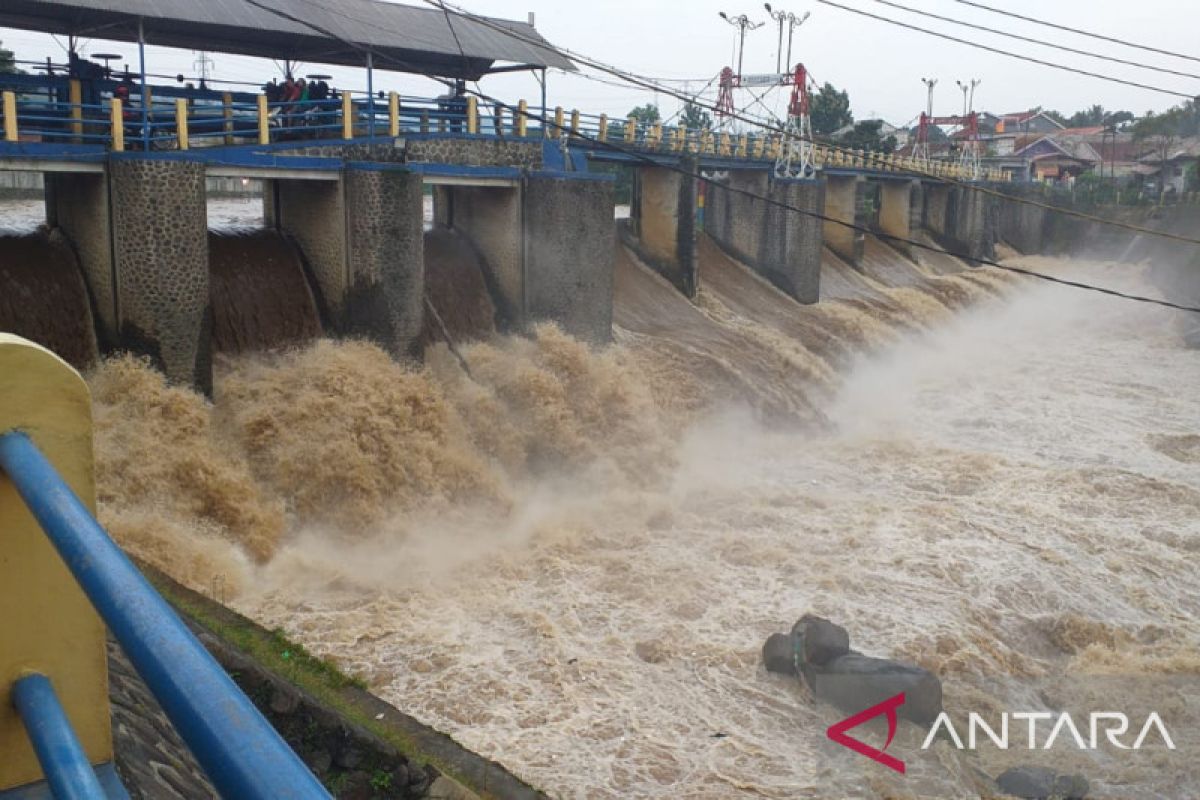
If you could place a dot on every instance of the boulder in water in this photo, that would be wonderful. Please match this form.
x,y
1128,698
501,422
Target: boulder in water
x,y
1040,783
819,652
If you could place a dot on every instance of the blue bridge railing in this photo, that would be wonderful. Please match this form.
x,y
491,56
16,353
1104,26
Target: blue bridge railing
x,y
235,745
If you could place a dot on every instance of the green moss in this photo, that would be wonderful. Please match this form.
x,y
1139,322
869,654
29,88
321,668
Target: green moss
x,y
291,661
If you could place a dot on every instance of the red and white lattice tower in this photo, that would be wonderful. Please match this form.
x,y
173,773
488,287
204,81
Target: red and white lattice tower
x,y
796,150
968,124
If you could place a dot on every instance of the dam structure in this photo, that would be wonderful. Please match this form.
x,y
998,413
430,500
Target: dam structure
x,y
125,177
523,195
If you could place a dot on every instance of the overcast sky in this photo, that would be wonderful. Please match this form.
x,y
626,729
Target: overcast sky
x,y
879,64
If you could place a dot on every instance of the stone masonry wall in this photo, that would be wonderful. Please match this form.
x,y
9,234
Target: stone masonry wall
x,y
476,152
571,253
385,218
160,241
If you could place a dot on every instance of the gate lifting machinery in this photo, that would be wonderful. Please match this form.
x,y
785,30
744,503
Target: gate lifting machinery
x,y
968,157
796,150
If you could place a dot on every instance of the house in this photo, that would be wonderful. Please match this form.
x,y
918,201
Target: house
x,y
886,129
1026,123
1048,158
1169,174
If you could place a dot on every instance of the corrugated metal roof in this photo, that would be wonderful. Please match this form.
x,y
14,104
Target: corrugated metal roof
x,y
403,38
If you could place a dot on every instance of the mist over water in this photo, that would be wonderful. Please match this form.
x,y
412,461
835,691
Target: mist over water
x,y
570,560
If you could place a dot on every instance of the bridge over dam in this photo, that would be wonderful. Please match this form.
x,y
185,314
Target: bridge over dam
x,y
526,227
529,190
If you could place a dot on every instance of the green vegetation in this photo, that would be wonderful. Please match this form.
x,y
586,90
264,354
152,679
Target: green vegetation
x,y
290,660
647,114
695,117
8,64
866,136
830,110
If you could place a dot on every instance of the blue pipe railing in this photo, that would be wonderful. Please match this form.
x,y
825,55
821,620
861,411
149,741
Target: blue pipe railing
x,y
239,750
58,749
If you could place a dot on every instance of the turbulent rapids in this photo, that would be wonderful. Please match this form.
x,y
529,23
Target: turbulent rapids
x,y
569,558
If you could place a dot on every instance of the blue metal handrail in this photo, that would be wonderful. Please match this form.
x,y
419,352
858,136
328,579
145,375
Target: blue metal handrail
x,y
239,750
58,749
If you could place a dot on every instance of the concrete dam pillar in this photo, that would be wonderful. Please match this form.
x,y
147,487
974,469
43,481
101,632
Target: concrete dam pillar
x,y
964,220
896,212
385,218
570,252
160,263
77,204
662,225
781,244
362,239
844,201
548,248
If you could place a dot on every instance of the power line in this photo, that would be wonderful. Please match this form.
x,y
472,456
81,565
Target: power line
x,y
1041,42
644,82
771,201
1079,31
999,51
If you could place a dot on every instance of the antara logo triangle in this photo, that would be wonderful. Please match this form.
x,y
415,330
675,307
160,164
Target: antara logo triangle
x,y
837,732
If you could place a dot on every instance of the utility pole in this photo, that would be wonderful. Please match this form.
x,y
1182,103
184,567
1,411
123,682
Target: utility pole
x,y
742,23
793,22
929,84
921,151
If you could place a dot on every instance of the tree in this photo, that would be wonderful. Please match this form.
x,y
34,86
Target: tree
x,y
830,110
647,114
867,135
1161,132
8,65
695,117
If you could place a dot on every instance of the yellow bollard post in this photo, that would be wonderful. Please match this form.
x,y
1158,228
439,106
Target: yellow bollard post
x,y
574,122
75,96
680,138
181,123
472,115
49,627
227,113
10,117
347,116
630,130
116,120
744,146
558,120
393,114
264,121
657,135
603,134
522,118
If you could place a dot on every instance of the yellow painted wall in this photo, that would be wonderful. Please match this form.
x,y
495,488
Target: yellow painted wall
x,y
46,623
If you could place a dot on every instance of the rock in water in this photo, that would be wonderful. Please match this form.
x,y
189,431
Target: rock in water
x,y
822,641
1040,783
846,678
853,682
779,654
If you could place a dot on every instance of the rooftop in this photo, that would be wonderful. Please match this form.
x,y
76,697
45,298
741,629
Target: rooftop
x,y
400,38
